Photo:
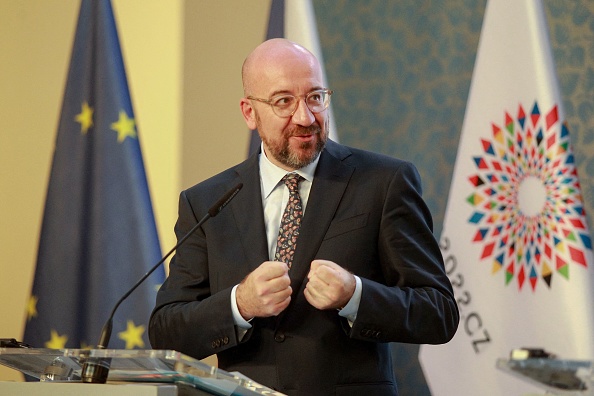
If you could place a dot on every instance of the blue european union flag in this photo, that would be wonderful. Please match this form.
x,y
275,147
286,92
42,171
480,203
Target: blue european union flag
x,y
98,235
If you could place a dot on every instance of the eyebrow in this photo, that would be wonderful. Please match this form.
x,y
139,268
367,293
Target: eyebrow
x,y
287,92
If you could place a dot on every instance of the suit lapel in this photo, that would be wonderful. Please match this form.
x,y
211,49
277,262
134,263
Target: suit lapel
x,y
247,210
330,181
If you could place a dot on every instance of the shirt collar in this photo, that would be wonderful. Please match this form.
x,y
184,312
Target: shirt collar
x,y
271,174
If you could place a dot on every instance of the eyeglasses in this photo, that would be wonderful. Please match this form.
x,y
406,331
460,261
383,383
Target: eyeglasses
x,y
285,105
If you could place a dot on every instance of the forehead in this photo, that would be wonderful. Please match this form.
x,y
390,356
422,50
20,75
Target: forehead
x,y
291,71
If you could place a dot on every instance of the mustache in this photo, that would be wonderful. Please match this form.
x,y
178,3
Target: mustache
x,y
302,131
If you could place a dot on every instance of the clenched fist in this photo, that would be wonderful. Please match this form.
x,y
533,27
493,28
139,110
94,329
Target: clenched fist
x,y
265,292
329,285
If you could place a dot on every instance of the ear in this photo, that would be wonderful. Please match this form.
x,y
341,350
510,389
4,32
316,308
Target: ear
x,y
249,115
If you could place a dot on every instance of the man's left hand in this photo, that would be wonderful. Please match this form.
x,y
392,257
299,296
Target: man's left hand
x,y
329,285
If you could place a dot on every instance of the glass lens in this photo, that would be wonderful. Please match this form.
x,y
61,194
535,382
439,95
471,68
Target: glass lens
x,y
285,105
317,101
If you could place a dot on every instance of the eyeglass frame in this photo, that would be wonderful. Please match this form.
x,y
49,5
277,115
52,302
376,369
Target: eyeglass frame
x,y
327,91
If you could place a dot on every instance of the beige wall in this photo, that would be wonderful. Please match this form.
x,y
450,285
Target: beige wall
x,y
183,63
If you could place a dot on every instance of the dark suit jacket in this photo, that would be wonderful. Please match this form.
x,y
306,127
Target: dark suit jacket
x,y
365,212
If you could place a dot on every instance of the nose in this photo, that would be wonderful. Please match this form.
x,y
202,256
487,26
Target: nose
x,y
303,115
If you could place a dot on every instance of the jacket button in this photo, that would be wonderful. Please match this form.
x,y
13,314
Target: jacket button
x,y
279,337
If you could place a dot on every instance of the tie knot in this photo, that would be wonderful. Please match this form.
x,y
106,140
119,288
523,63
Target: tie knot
x,y
292,180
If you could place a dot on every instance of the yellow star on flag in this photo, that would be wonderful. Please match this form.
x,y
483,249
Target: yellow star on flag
x,y
84,345
32,307
124,127
85,117
132,335
56,341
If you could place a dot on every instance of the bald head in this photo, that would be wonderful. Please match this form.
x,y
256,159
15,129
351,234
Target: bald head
x,y
270,57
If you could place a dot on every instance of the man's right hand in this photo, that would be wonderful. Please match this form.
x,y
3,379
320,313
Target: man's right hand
x,y
265,292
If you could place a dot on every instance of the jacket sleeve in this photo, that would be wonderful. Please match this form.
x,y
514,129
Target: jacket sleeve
x,y
189,317
415,302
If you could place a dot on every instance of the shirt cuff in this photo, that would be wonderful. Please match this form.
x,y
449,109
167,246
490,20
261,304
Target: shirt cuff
x,y
237,318
350,310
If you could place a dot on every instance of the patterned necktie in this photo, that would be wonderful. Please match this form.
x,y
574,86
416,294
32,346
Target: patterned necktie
x,y
290,221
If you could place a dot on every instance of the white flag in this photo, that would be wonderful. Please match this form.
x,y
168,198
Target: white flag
x,y
515,240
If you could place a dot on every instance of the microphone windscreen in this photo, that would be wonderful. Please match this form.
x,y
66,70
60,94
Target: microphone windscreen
x,y
225,199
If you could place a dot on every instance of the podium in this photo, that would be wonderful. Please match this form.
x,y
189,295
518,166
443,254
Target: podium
x,y
164,370
556,376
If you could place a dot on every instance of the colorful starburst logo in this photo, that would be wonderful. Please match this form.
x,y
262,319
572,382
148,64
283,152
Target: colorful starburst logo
x,y
527,204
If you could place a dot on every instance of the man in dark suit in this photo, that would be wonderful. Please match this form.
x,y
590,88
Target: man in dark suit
x,y
313,317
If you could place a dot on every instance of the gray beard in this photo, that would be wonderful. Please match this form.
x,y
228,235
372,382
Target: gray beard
x,y
292,160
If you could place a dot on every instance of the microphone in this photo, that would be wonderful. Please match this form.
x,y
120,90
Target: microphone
x,y
97,372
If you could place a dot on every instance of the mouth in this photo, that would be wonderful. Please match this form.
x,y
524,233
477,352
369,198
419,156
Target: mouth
x,y
304,138
306,132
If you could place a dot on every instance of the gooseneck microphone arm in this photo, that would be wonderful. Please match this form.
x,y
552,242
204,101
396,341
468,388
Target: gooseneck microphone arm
x,y
212,212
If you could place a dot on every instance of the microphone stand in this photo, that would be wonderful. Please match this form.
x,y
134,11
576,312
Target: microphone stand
x,y
97,370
